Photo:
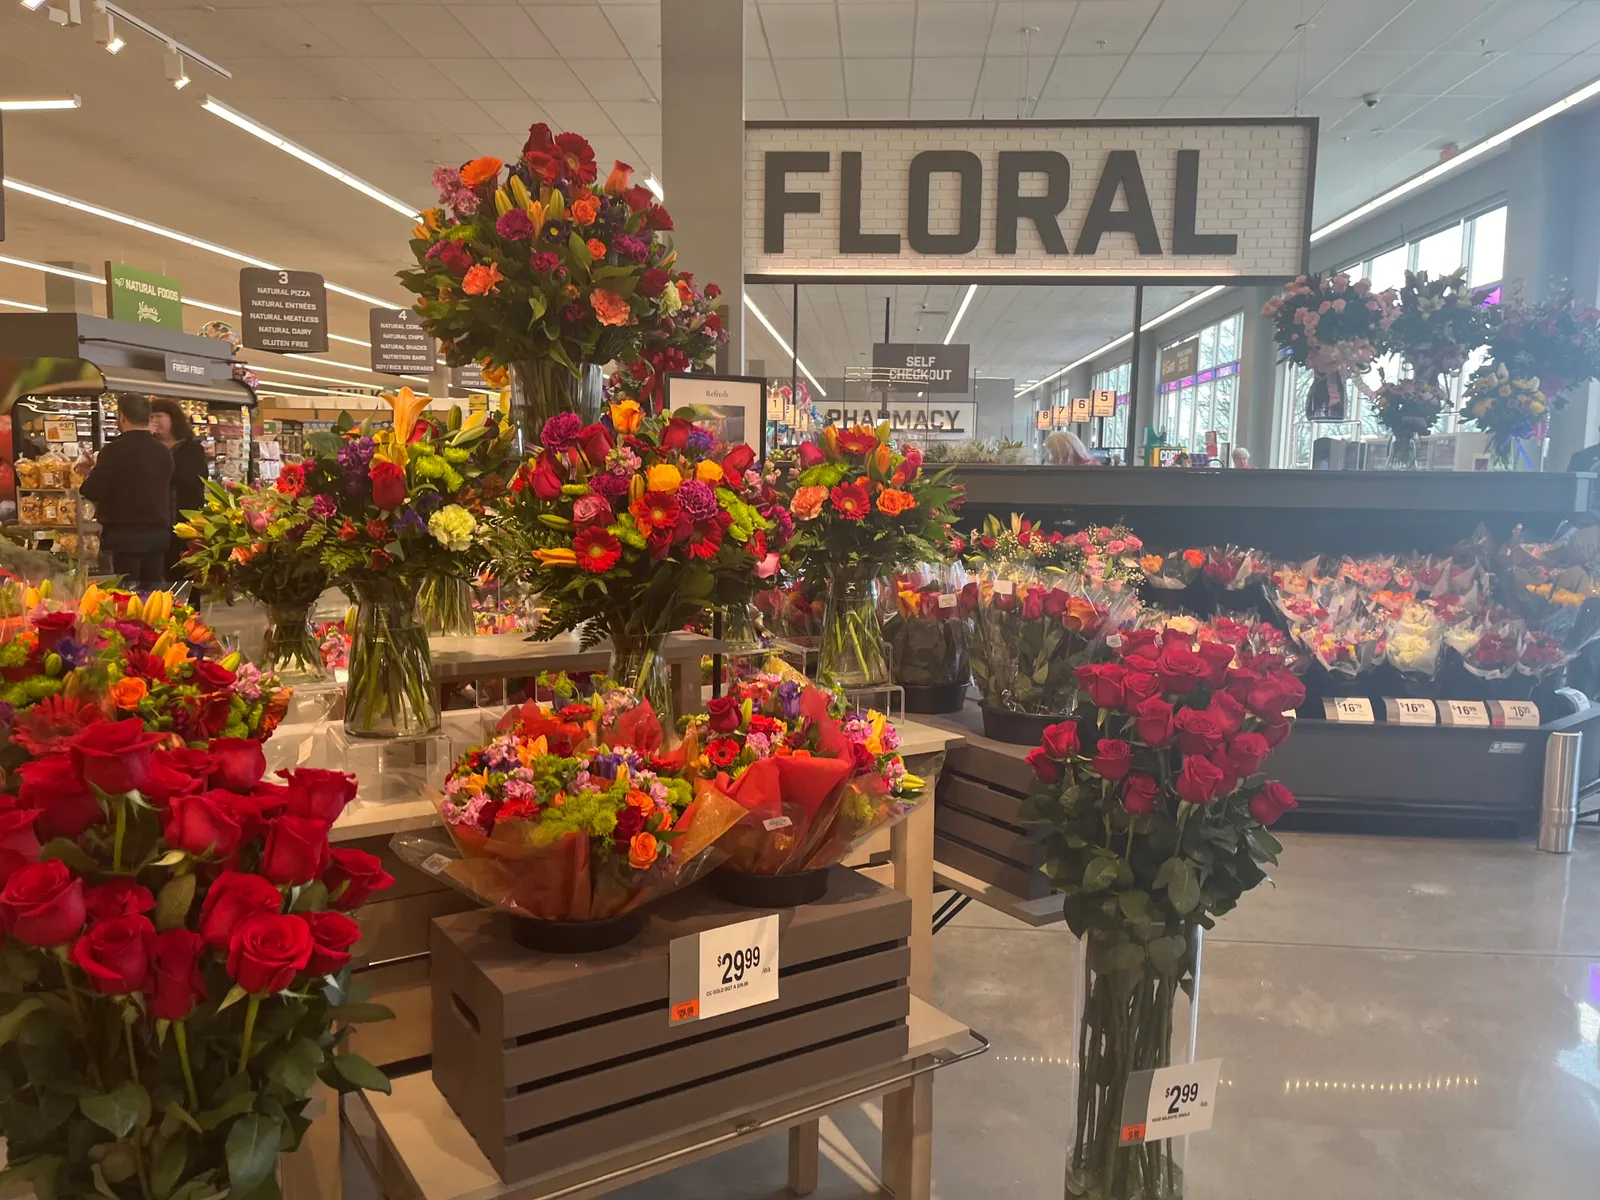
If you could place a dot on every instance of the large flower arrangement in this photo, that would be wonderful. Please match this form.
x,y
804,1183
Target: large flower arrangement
x,y
1155,814
1335,328
1556,341
681,335
175,964
639,524
1505,406
928,630
1408,409
1440,322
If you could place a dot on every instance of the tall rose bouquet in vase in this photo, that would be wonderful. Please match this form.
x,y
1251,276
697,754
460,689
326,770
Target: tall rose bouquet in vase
x,y
928,630
633,527
861,509
542,267
1155,813
397,508
1335,328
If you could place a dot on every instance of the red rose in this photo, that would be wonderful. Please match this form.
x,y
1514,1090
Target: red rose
x,y
1197,732
1240,681
42,904
176,982
114,756
629,822
1140,643
204,823
653,282
969,597
546,479
725,713
1276,731
1060,741
1227,712
740,458
1246,752
810,455
163,783
19,844
296,850
1055,601
239,763
215,676
1138,686
1046,768
388,484
1113,760
52,627
231,900
676,434
1033,604
595,443
332,935
1180,668
316,793
191,762
1103,683
353,876
66,805
1140,794
115,954
119,897
1272,802
1152,720
1294,691
267,951
1199,781
1218,657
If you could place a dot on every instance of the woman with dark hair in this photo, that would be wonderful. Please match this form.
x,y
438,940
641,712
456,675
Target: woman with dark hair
x,y
189,467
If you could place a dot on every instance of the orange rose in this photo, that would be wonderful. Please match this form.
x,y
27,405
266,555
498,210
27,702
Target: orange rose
x,y
126,693
584,212
1194,558
642,851
481,171
611,308
642,801
893,501
627,417
1080,614
481,279
1151,563
597,248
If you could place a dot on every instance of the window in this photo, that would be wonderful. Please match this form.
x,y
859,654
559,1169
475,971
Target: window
x,y
1113,379
1479,244
1192,406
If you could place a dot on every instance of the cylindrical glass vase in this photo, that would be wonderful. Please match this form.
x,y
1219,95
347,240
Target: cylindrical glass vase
x,y
289,649
1403,452
1502,452
390,692
853,653
1127,1017
638,661
444,605
542,387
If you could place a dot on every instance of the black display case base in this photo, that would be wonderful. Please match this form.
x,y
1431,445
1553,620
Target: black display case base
x,y
576,937
768,891
1020,729
934,697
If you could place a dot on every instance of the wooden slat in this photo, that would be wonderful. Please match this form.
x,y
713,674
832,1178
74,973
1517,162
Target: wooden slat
x,y
406,988
990,869
999,840
979,796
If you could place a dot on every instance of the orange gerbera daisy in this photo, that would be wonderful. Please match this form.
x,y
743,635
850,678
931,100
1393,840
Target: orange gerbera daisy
x,y
611,308
481,171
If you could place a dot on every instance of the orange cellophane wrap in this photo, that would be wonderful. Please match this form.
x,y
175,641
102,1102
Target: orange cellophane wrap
x,y
805,791
638,727
864,807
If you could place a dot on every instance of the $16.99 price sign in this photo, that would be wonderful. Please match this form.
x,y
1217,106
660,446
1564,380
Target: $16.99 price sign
x,y
723,970
1170,1102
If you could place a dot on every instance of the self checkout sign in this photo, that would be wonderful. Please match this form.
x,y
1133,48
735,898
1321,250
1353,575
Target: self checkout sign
x,y
723,970
1170,1102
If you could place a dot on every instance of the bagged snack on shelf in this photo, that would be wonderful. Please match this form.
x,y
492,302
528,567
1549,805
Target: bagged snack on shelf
x,y
927,626
29,473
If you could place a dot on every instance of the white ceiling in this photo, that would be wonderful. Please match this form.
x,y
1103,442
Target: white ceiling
x,y
389,89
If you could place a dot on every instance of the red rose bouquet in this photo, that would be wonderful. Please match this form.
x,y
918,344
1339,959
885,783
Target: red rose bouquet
x,y
928,632
1155,813
637,525
861,509
176,960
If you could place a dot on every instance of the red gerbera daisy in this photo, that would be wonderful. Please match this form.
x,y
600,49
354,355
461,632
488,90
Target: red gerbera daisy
x,y
50,724
722,751
146,665
596,549
852,501
858,441
655,510
705,539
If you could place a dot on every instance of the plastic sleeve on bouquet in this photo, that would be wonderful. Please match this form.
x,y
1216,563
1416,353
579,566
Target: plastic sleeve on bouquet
x,y
787,805
866,807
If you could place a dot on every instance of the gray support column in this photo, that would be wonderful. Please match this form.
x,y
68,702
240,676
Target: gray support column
x,y
64,294
1257,423
702,146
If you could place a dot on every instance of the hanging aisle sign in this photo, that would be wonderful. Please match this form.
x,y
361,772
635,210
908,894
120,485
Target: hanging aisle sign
x,y
143,297
400,345
286,311
909,368
1218,200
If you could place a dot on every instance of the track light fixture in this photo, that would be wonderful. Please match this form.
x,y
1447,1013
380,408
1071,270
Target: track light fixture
x,y
105,29
177,70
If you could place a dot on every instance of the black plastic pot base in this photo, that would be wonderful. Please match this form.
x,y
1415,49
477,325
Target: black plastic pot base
x,y
934,697
1020,729
768,891
576,937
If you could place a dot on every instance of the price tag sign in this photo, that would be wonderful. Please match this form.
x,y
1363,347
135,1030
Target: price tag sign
x,y
1408,711
948,600
1465,713
1004,587
1170,1102
1349,710
1514,714
723,970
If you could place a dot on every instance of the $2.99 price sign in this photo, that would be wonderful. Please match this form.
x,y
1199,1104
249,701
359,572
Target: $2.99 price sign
x,y
1170,1102
723,970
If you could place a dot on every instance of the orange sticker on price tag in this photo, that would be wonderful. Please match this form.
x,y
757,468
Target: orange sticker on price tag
x,y
1132,1133
687,1011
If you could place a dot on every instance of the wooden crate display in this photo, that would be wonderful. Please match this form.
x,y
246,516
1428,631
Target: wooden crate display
x,y
552,1061
978,825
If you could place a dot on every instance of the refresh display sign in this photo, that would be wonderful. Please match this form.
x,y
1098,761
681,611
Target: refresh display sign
x,y
1135,201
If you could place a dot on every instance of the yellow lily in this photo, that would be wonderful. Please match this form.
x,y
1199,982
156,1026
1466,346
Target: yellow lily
x,y
561,557
407,407
875,739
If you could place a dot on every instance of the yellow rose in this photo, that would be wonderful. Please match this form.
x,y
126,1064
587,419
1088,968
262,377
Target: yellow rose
x,y
663,477
627,416
708,472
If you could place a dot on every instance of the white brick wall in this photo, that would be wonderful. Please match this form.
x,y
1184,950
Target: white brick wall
x,y
1252,184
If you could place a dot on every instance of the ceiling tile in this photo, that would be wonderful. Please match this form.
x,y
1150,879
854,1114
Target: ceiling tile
x,y
946,78
514,116
952,29
877,78
1369,71
765,110
1195,106
479,78
1152,75
879,110
1222,74
1533,25
577,31
634,116
639,27
941,110
585,117
1187,28
1506,73
614,79
430,29
817,110
505,32
1067,108
650,68
871,30
546,78
1002,79
1081,76
1031,29
358,80
1129,106
1261,26
801,31
760,80
356,29
417,78
1444,115
810,78
1117,23
1420,26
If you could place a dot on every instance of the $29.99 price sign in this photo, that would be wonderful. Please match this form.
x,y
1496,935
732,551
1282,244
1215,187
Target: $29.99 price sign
x,y
723,970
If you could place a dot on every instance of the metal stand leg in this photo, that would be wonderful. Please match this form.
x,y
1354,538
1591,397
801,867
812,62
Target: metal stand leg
x,y
950,909
1558,801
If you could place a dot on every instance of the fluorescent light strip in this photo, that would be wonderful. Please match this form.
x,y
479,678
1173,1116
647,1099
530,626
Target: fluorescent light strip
x,y
1197,298
960,312
778,337
21,304
234,117
49,104
355,383
108,214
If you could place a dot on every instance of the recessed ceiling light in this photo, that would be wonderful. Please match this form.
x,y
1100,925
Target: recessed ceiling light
x,y
33,5
42,104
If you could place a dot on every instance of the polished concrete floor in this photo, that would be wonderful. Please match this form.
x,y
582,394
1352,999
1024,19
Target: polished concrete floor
x,y
1398,1019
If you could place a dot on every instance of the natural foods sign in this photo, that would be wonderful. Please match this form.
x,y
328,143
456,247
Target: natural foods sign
x,y
1127,200
144,297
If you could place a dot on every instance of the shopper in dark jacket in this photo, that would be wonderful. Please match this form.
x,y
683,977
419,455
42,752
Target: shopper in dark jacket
x,y
131,488
189,467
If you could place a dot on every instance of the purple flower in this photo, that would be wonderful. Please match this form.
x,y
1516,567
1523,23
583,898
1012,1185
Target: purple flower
x,y
427,502
556,231
780,517
700,439
697,501
8,714
73,652
544,263
605,765
324,506
561,431
788,693
409,520
448,182
612,487
515,225
631,248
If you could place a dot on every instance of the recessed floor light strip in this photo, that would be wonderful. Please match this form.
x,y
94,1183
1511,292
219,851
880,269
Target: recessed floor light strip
x,y
778,337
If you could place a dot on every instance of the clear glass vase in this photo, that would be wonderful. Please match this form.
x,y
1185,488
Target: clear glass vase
x,y
444,605
542,387
1403,452
1502,452
853,653
289,648
390,692
638,661
1126,1024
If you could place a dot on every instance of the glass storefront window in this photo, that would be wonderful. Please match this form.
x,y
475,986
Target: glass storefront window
x,y
1189,408
1114,379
